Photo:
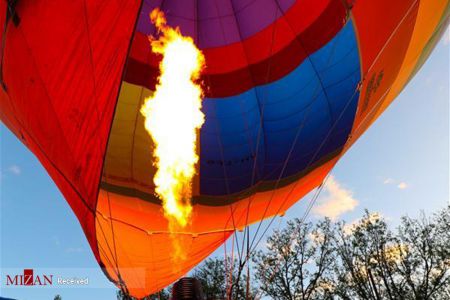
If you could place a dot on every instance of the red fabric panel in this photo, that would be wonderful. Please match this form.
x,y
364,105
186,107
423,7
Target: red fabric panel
x,y
62,66
376,21
238,67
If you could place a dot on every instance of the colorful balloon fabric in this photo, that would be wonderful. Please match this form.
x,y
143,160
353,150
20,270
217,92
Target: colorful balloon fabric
x,y
289,87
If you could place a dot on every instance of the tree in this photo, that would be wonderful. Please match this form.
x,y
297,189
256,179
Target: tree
x,y
215,276
57,297
211,275
367,255
363,260
374,263
425,255
297,262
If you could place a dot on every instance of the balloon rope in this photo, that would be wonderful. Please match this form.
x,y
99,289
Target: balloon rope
x,y
311,161
357,128
229,292
250,140
300,128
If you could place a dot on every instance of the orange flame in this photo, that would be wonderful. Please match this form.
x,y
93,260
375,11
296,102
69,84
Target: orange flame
x,y
173,117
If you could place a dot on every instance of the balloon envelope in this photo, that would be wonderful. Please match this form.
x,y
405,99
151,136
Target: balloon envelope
x,y
289,87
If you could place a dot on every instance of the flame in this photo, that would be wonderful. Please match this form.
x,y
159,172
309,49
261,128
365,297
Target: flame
x,y
173,117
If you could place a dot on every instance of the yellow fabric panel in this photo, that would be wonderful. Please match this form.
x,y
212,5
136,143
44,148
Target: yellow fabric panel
x,y
128,159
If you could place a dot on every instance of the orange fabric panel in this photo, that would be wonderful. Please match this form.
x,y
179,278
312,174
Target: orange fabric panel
x,y
426,22
144,248
406,43
147,262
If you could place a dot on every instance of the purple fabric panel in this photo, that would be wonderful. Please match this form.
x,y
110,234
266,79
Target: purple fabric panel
x,y
242,4
215,23
255,16
184,17
186,9
286,4
218,32
214,8
144,26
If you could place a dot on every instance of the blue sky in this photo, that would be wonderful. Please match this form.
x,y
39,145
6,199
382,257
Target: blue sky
x,y
399,166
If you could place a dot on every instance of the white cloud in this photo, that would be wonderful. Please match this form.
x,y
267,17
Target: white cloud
x,y
388,181
15,169
402,185
336,202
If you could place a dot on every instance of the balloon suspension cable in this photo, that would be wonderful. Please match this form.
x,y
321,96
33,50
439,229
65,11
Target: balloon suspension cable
x,y
251,248
321,186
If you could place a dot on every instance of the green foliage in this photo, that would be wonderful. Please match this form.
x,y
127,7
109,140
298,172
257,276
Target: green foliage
x,y
297,262
362,260
366,260
215,273
425,261
413,262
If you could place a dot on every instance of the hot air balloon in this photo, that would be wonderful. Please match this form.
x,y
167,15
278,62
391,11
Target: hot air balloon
x,y
288,85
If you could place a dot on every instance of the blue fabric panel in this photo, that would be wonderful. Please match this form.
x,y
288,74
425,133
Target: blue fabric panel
x,y
281,128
